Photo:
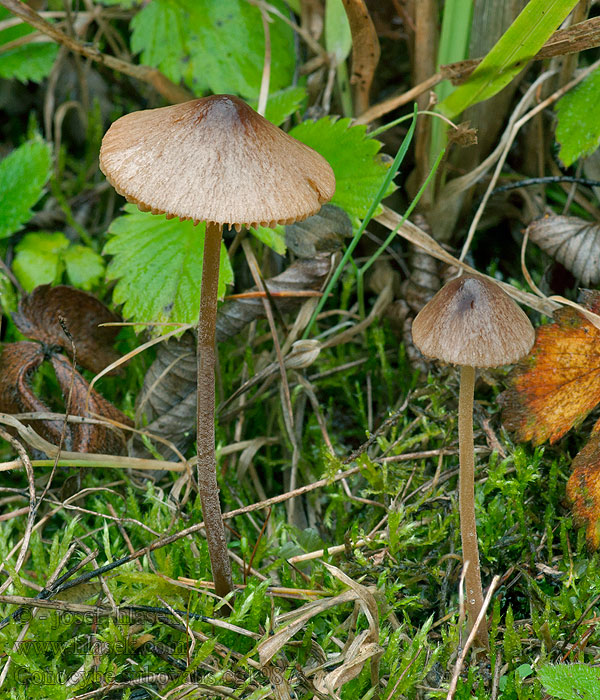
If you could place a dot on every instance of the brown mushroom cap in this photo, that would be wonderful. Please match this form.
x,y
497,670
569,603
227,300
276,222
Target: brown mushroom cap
x,y
472,321
216,160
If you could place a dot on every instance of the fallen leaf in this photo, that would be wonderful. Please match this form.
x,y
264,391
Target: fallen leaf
x,y
322,232
573,242
558,383
38,318
89,437
583,490
18,362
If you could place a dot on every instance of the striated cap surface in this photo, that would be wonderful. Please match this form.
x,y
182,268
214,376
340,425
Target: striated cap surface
x,y
472,321
217,160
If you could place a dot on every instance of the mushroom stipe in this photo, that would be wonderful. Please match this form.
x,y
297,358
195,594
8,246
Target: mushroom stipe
x,y
215,160
471,322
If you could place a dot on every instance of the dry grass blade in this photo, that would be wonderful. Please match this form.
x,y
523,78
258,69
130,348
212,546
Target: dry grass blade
x,y
418,237
366,599
354,659
273,644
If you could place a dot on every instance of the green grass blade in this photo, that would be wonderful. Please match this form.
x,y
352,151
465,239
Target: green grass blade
x,y
521,41
374,204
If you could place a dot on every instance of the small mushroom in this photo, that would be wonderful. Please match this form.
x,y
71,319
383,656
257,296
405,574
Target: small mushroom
x,y
214,160
471,322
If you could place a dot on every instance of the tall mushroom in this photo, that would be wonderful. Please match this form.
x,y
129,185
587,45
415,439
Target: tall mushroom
x,y
215,160
471,322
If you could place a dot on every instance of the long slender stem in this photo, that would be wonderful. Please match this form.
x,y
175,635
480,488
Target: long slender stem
x,y
466,500
207,466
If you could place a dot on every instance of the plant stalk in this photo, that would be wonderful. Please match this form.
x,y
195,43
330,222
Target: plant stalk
x,y
207,465
466,501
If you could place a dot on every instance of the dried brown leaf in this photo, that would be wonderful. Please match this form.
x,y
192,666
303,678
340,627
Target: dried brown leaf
x,y
323,232
583,489
38,319
573,242
18,362
87,437
558,383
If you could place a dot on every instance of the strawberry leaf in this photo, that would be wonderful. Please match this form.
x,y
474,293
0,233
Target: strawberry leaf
x,y
214,44
30,62
158,263
359,168
23,175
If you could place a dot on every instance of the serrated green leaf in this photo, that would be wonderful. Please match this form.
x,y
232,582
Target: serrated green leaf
x,y
578,127
282,103
358,167
214,44
23,175
571,681
158,263
272,237
30,62
518,45
85,268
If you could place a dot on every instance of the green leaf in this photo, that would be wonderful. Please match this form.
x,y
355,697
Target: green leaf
x,y
38,259
578,127
28,63
282,103
273,237
338,38
214,44
31,61
518,45
158,263
571,681
354,156
23,175
85,268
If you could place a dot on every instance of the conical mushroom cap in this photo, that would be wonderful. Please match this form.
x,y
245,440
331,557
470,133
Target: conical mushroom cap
x,y
472,321
216,160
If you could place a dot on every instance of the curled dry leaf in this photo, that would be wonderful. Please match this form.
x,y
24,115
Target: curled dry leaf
x,y
38,318
168,397
87,437
573,242
18,361
324,232
558,383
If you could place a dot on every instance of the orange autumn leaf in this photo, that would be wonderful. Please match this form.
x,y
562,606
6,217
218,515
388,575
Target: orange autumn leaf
x,y
583,490
558,383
